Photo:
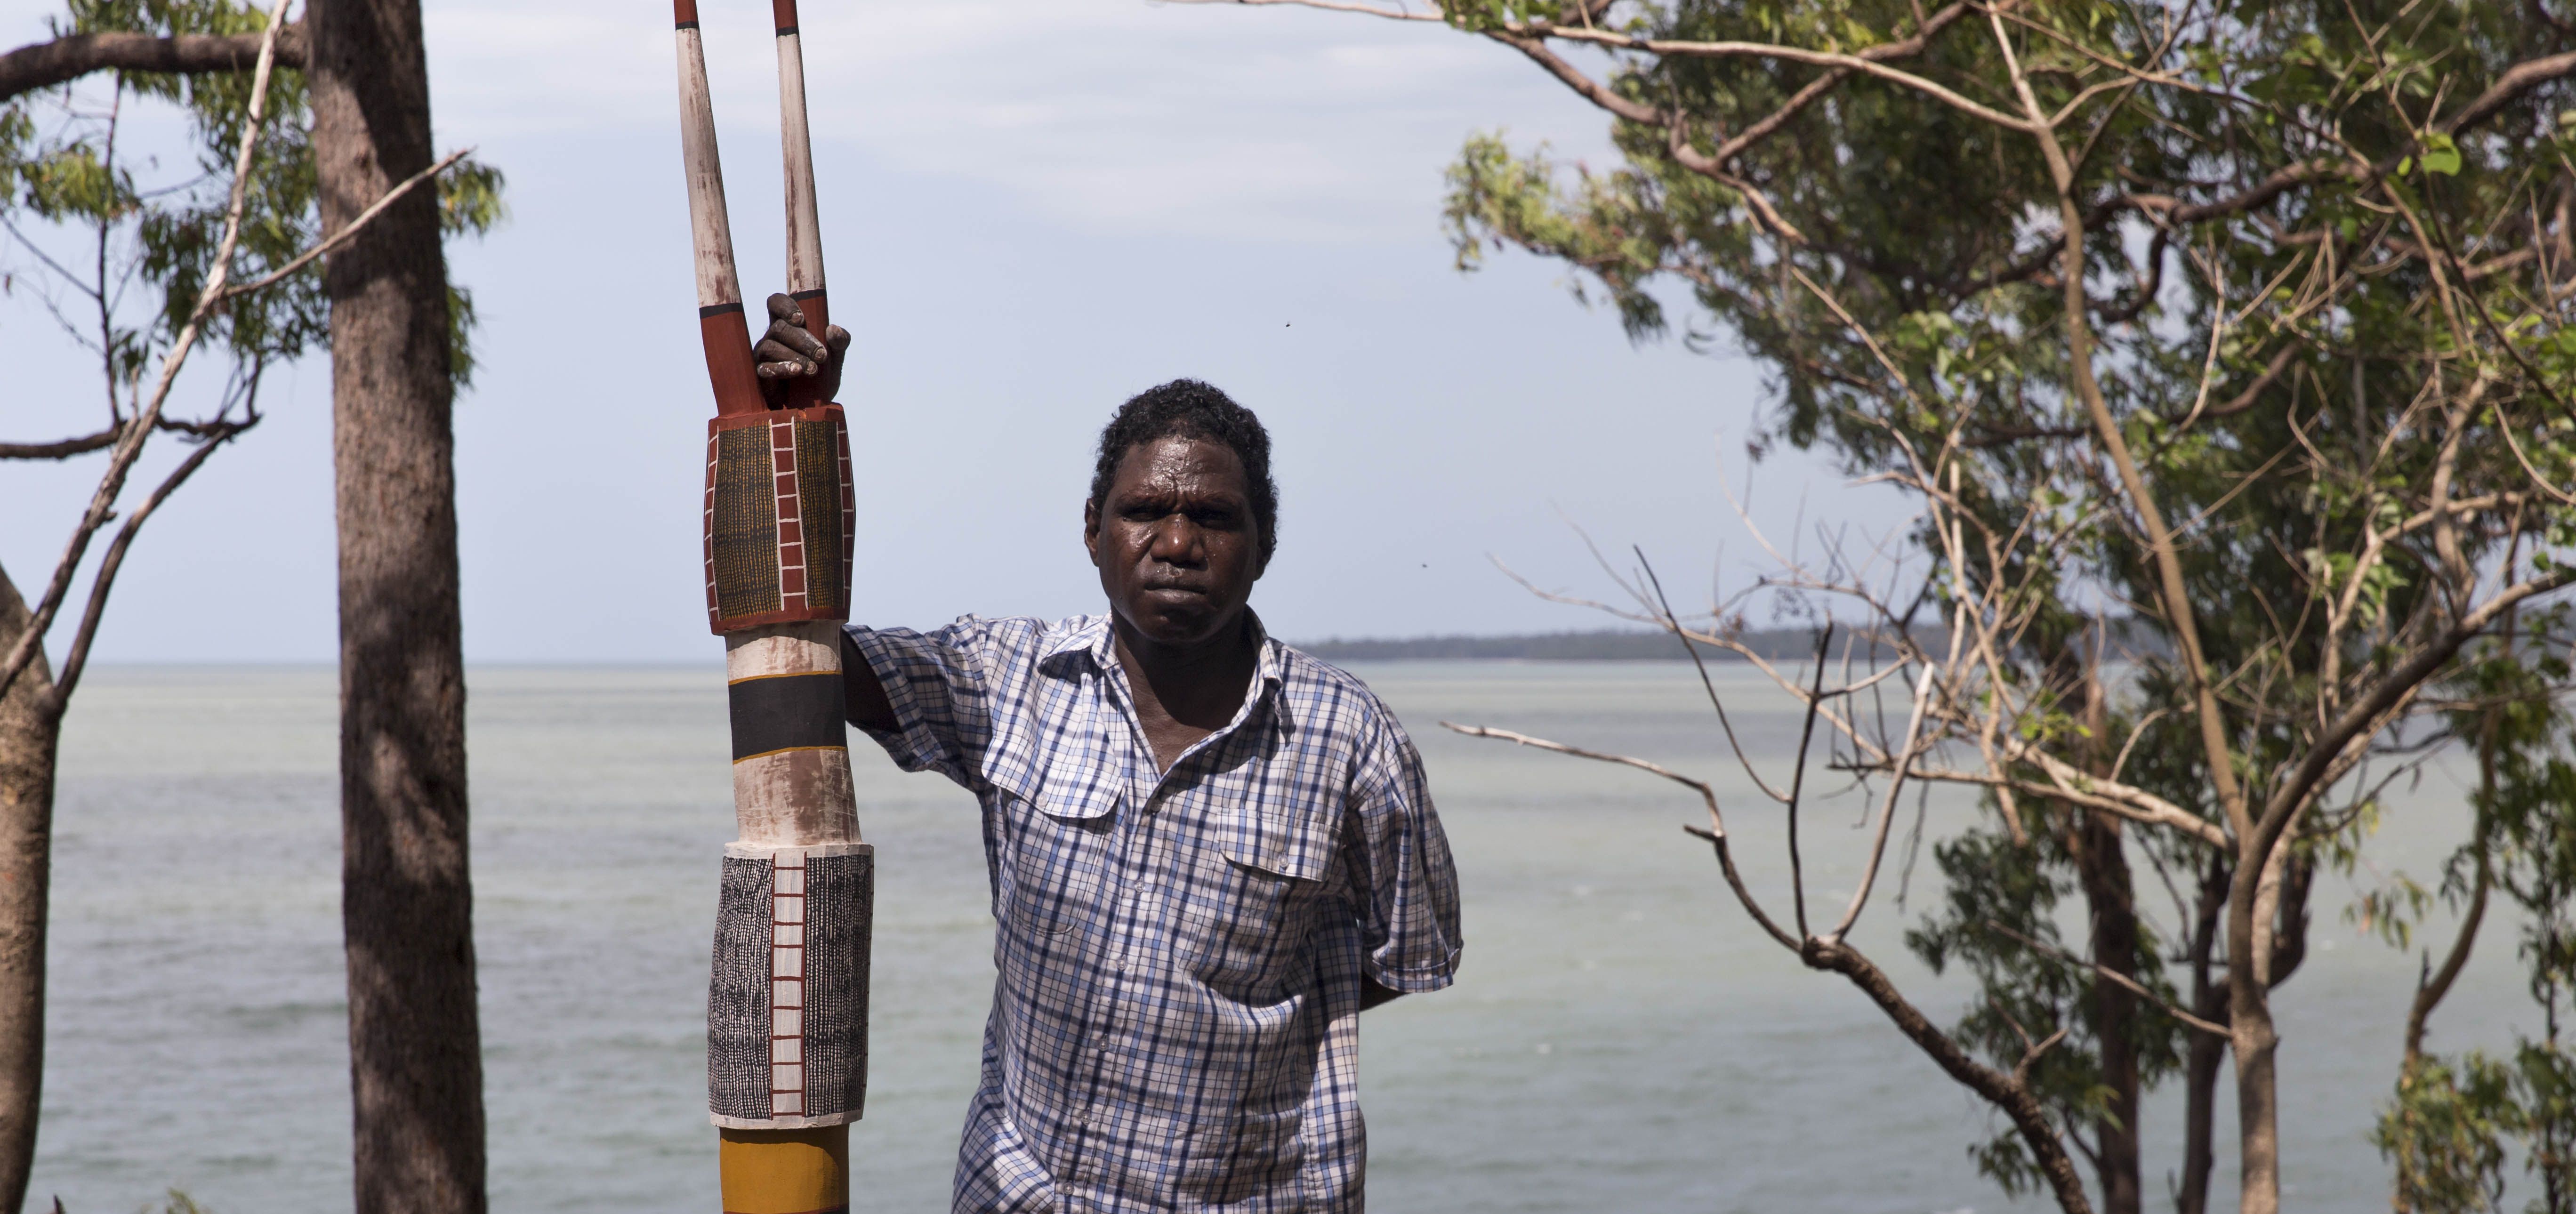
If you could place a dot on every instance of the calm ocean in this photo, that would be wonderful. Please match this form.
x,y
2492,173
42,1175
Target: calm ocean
x,y
1621,1037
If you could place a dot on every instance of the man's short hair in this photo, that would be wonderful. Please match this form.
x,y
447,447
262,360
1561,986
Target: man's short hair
x,y
1188,408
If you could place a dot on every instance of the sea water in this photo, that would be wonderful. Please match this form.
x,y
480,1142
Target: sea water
x,y
1621,1036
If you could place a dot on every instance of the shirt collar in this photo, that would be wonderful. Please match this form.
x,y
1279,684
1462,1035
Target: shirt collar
x,y
1091,638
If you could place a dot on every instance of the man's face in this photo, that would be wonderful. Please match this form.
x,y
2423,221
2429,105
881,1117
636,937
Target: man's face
x,y
1175,540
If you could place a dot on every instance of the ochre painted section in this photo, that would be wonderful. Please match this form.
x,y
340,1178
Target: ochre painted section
x,y
727,339
785,1171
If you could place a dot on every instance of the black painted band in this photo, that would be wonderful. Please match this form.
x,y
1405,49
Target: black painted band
x,y
686,25
805,294
785,30
714,310
786,712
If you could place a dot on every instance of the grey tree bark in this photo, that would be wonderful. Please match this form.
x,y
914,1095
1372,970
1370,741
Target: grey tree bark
x,y
415,1046
29,732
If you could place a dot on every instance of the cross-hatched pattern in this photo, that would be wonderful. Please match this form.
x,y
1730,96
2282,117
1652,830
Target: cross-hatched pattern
x,y
742,523
738,1019
787,1012
820,474
838,907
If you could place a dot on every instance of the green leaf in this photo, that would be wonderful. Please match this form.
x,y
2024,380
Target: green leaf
x,y
2441,154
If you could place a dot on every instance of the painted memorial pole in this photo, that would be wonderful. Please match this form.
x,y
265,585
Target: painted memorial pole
x,y
787,1003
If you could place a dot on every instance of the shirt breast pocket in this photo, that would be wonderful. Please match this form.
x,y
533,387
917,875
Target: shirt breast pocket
x,y
1250,922
1058,849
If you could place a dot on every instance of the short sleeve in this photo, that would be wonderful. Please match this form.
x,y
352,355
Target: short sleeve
x,y
1403,881
943,701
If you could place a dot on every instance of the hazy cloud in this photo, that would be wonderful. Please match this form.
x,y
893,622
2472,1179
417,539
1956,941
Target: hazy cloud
x,y
1110,115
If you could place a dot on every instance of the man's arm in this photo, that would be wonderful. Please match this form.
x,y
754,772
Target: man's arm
x,y
868,704
1372,995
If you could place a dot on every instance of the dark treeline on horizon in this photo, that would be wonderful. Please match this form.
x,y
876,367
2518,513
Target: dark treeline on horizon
x,y
1641,645
1599,645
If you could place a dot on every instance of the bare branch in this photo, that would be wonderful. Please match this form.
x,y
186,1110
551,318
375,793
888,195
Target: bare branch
x,y
1338,6
138,429
1715,832
1798,781
44,64
2517,80
1681,49
1707,684
2008,1093
64,449
2132,985
1887,812
114,559
87,443
349,231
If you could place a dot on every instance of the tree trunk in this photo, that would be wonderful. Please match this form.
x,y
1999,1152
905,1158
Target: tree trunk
x,y
2102,865
415,1050
2204,1054
30,727
2252,1039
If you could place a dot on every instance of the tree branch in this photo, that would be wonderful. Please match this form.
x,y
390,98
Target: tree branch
x,y
1863,64
1715,832
64,449
114,559
2132,985
45,64
138,429
2519,79
2400,682
2003,1091
69,447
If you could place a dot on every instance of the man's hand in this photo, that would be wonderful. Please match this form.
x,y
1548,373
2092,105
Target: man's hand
x,y
787,353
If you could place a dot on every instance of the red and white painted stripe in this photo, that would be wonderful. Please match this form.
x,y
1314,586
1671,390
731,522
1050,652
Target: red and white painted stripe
x,y
791,523
787,983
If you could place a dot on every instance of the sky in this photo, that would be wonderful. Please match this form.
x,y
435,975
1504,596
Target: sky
x,y
1031,210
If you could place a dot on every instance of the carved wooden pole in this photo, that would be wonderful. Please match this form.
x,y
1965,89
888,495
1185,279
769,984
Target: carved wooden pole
x,y
787,1006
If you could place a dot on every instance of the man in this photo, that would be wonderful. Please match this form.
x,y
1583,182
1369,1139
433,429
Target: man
x,y
1208,851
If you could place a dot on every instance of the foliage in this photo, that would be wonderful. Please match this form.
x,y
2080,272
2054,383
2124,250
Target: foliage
x,y
2245,322
2450,1124
61,165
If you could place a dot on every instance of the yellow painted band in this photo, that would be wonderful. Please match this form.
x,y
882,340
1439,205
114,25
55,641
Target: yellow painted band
x,y
785,1171
784,674
787,749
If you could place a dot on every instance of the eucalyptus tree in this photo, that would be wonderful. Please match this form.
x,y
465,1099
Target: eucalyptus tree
x,y
2240,323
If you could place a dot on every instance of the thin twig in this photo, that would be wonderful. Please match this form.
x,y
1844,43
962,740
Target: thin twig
x,y
1887,812
2132,985
1798,781
1714,832
348,231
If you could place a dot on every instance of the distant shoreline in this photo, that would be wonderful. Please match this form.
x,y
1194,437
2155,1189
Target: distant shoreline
x,y
1602,645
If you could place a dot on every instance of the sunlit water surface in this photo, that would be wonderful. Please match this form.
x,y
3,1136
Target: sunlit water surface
x,y
1621,1038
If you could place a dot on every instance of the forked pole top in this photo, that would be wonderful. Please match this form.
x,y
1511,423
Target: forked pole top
x,y
723,327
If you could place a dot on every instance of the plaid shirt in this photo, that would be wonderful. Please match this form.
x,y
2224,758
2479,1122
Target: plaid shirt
x,y
1175,1025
